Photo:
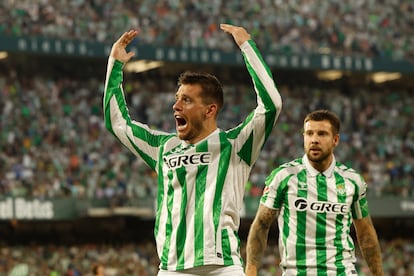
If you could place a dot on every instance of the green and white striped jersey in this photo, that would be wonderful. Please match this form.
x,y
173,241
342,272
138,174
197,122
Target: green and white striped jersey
x,y
200,186
316,212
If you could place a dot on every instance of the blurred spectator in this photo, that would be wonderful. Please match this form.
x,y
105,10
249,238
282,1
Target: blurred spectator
x,y
141,259
358,27
54,144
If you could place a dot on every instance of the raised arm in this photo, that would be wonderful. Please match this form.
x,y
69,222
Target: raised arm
x,y
260,123
118,50
257,238
136,136
369,245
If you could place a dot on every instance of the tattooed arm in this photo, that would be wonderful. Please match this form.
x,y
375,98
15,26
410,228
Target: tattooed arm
x,y
369,245
257,238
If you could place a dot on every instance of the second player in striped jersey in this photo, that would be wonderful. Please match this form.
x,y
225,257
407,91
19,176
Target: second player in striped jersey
x,y
316,199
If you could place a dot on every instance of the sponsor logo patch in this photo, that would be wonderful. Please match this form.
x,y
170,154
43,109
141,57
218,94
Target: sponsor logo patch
x,y
302,204
198,158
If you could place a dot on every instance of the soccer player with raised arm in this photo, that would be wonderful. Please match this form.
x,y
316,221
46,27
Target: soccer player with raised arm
x,y
315,200
202,170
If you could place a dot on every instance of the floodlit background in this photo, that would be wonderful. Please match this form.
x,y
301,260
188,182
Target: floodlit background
x,y
72,196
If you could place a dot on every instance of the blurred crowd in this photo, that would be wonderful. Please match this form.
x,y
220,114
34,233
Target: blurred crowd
x,y
53,141
360,27
140,259
129,259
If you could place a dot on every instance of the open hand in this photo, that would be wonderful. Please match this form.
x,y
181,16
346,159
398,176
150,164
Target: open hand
x,y
118,50
239,34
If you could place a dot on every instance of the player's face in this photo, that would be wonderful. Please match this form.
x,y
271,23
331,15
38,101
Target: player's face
x,y
190,113
319,143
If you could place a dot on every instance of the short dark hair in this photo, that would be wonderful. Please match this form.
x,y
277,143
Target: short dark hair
x,y
212,91
325,115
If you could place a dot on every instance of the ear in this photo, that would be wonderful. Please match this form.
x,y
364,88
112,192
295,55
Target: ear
x,y
211,111
336,139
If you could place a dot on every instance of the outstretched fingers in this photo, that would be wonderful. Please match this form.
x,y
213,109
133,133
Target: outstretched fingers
x,y
127,37
118,50
240,35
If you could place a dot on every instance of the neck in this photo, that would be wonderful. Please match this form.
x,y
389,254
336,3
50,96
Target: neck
x,y
322,165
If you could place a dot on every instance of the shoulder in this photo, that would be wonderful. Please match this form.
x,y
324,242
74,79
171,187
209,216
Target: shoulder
x,y
290,168
169,141
348,172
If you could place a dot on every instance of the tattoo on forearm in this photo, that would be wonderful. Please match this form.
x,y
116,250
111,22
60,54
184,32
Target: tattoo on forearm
x,y
257,239
372,253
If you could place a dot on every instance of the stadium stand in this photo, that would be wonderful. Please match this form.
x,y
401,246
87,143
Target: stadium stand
x,y
140,259
368,28
54,145
56,136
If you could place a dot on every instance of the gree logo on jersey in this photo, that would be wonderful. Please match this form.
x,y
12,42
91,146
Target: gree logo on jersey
x,y
198,158
302,204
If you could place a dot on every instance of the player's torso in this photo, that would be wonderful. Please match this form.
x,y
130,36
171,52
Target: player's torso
x,y
316,218
200,190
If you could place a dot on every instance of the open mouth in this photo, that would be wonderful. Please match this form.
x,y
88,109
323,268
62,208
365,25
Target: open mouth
x,y
180,122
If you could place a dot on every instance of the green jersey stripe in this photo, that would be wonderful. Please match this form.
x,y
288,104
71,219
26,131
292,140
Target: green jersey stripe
x,y
160,197
115,78
151,162
301,227
226,247
199,207
321,225
245,152
181,228
223,166
339,225
168,229
278,201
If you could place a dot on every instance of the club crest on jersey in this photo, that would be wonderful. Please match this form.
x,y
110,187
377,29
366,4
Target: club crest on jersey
x,y
181,149
302,185
179,160
340,189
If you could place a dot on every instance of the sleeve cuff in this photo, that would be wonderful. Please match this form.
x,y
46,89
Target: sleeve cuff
x,y
115,62
245,45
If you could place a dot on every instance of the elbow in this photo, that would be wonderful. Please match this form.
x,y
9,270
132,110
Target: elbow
x,y
276,108
278,103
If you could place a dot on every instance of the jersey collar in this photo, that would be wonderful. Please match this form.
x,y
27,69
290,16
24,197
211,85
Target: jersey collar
x,y
314,172
184,144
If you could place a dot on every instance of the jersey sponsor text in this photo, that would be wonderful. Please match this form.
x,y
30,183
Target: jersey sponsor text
x,y
198,158
302,204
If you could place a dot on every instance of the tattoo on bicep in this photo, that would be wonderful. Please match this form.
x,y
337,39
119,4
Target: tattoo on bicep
x,y
257,239
266,217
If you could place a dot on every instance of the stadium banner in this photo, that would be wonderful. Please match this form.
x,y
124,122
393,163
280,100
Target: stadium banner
x,y
50,46
21,208
71,208
39,209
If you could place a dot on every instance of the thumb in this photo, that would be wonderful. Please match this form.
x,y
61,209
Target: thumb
x,y
130,55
